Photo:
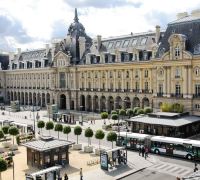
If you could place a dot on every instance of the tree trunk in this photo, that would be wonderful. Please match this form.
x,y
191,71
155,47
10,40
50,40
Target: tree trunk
x,y
41,131
67,137
88,142
0,176
77,139
49,133
112,144
58,134
99,143
13,140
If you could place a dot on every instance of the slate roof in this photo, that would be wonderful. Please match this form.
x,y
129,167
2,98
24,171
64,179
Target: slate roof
x,y
4,60
44,145
188,26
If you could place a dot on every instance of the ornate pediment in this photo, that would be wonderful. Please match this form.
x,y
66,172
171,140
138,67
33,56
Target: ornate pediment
x,y
61,59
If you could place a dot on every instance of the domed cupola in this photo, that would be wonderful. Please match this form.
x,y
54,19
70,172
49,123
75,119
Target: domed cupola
x,y
76,28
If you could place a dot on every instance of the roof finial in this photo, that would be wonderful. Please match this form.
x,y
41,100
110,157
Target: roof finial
x,y
76,16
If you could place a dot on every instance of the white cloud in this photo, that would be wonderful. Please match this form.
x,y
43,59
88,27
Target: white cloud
x,y
39,17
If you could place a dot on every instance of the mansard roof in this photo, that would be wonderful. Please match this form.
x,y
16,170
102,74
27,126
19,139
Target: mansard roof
x,y
4,60
187,26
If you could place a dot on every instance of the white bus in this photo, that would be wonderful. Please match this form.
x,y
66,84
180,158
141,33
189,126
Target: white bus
x,y
186,148
131,140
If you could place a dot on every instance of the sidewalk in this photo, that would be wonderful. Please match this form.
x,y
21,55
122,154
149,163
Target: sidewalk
x,y
135,164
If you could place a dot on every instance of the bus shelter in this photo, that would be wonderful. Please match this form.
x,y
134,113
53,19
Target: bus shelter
x,y
23,128
113,157
52,173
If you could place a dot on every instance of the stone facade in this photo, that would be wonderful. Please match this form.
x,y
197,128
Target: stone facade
x,y
144,69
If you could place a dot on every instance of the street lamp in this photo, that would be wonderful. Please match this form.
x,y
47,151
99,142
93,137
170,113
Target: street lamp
x,y
81,115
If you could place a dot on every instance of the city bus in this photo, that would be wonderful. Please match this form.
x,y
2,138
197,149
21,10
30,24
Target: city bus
x,y
131,140
185,148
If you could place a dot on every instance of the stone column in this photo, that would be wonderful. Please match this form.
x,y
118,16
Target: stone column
x,y
140,76
131,86
169,82
190,85
165,82
122,82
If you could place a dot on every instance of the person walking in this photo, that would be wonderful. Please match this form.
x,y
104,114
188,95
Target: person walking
x,y
81,174
66,177
146,152
195,167
143,151
140,149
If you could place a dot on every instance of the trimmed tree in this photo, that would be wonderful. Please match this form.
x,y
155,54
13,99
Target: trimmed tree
x,y
114,116
67,130
140,111
114,112
99,135
1,134
104,115
111,136
13,131
77,131
129,112
5,129
49,126
3,166
59,128
148,110
41,125
135,110
89,133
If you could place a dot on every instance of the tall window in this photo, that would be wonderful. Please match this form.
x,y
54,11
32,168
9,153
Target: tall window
x,y
178,89
119,85
62,80
89,85
82,84
177,51
127,85
119,74
111,74
146,86
137,86
127,74
103,74
146,73
111,86
136,74
177,73
103,85
197,89
160,88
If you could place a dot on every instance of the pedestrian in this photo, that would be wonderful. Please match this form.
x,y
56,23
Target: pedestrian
x,y
91,121
81,174
66,177
140,149
143,151
146,152
195,167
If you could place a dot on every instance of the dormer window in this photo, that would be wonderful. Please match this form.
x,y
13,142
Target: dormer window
x,y
126,42
143,41
177,51
197,71
110,45
118,43
134,42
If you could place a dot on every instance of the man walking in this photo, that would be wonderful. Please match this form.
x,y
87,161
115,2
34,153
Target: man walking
x,y
140,149
81,174
146,152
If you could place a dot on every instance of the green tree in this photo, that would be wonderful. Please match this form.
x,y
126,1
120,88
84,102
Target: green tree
x,y
122,112
111,136
129,112
1,134
140,111
148,110
89,133
114,116
49,126
59,128
5,129
13,131
114,112
135,110
166,107
67,130
41,125
104,115
3,166
99,135
77,131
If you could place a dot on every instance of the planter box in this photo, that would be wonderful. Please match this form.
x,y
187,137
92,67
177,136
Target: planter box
x,y
77,146
98,151
14,147
88,149
6,144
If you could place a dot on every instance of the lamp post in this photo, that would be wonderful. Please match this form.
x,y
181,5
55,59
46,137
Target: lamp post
x,y
81,115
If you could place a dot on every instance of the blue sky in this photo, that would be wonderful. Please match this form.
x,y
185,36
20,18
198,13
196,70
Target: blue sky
x,y
30,24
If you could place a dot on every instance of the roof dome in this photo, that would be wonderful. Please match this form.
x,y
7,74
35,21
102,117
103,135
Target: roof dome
x,y
76,27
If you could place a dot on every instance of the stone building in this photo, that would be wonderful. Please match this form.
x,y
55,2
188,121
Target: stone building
x,y
143,69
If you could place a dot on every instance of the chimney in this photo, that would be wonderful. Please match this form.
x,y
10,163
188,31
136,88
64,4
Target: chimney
x,y
98,42
18,51
47,48
157,33
196,13
11,55
181,15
